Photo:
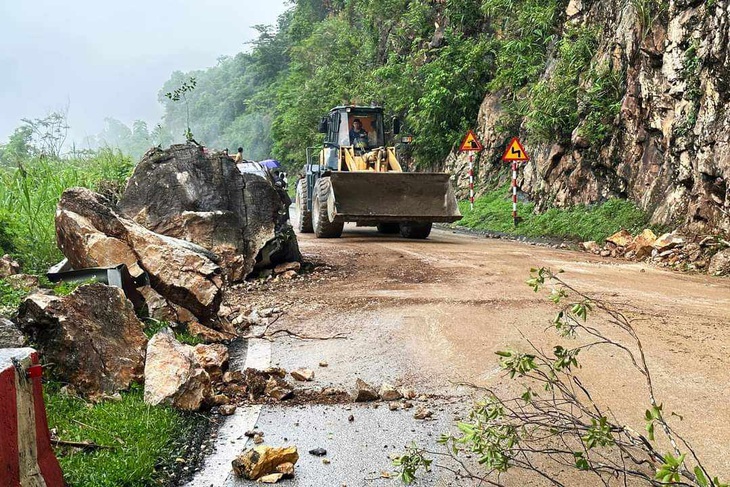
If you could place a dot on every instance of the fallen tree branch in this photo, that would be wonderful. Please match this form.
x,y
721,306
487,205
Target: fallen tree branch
x,y
87,445
267,335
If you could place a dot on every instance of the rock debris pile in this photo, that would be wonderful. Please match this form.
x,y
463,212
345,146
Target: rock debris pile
x,y
707,254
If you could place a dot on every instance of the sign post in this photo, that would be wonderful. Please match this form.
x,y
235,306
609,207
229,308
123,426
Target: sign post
x,y
515,154
471,144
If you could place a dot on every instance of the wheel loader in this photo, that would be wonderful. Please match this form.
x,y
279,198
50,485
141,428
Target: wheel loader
x,y
354,177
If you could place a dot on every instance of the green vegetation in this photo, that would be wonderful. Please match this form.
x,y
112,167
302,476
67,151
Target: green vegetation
x,y
143,439
11,295
600,103
152,326
493,212
693,93
29,193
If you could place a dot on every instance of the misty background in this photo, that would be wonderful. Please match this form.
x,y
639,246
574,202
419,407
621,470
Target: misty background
x,y
110,59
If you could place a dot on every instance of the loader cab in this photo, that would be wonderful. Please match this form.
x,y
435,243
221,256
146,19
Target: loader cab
x,y
339,128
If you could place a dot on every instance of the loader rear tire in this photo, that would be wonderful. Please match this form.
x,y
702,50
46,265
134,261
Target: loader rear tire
x,y
415,230
323,227
388,228
304,221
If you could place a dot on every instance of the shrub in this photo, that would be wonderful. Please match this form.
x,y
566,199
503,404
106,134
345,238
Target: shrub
x,y
30,192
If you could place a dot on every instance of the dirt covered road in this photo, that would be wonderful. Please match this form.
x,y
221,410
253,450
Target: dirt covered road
x,y
430,315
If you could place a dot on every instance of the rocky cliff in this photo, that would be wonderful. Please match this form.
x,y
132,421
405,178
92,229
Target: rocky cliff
x,y
666,144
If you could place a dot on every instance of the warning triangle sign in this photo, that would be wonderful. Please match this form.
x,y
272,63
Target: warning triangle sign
x,y
515,152
471,143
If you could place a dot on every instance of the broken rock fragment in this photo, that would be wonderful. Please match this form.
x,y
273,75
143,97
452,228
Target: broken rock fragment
x,y
277,389
8,266
213,358
621,238
364,392
303,375
92,337
388,392
643,244
173,375
263,460
286,267
10,335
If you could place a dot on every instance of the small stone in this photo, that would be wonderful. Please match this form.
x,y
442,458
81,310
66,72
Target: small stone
x,y
393,406
407,405
263,460
258,439
288,267
287,469
364,392
252,433
591,246
351,418
318,452
323,364
303,375
228,409
388,392
326,461
220,400
408,393
423,413
271,478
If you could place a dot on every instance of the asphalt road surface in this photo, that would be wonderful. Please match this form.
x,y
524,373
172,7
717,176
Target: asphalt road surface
x,y
430,315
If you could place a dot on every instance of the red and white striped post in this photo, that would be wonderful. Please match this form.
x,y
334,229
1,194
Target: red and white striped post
x,y
514,192
471,180
515,153
26,456
471,145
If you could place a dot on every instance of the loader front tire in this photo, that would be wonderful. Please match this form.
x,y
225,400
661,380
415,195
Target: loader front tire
x,y
323,227
304,222
415,230
388,228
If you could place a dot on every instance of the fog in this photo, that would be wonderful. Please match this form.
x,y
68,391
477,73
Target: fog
x,y
109,59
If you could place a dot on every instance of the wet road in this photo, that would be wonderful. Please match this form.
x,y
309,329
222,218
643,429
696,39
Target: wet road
x,y
430,314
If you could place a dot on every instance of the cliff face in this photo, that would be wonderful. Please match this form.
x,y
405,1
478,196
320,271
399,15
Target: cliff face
x,y
668,148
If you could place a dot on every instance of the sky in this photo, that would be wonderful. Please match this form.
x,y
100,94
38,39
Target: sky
x,y
104,58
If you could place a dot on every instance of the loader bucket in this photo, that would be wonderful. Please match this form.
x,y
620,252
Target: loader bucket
x,y
372,197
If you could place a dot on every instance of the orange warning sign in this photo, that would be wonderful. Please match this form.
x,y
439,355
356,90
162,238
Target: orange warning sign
x,y
471,143
515,152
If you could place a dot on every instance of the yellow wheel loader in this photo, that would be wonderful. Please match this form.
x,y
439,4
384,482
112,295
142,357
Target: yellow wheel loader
x,y
356,178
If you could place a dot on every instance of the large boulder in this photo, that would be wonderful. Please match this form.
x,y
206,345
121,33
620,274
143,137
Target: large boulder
x,y
720,263
8,266
185,193
91,234
10,335
173,374
643,244
92,337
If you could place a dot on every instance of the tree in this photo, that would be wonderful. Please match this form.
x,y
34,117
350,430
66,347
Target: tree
x,y
49,133
19,146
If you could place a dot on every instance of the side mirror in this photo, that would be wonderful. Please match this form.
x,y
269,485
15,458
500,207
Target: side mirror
x,y
323,126
396,125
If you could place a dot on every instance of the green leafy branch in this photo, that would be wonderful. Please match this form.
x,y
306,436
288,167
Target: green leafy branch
x,y
181,93
556,421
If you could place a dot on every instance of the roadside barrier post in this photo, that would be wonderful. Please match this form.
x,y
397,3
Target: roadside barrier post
x,y
515,153
471,145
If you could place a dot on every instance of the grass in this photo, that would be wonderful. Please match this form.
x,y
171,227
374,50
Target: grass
x,y
11,297
30,192
145,438
152,326
493,212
